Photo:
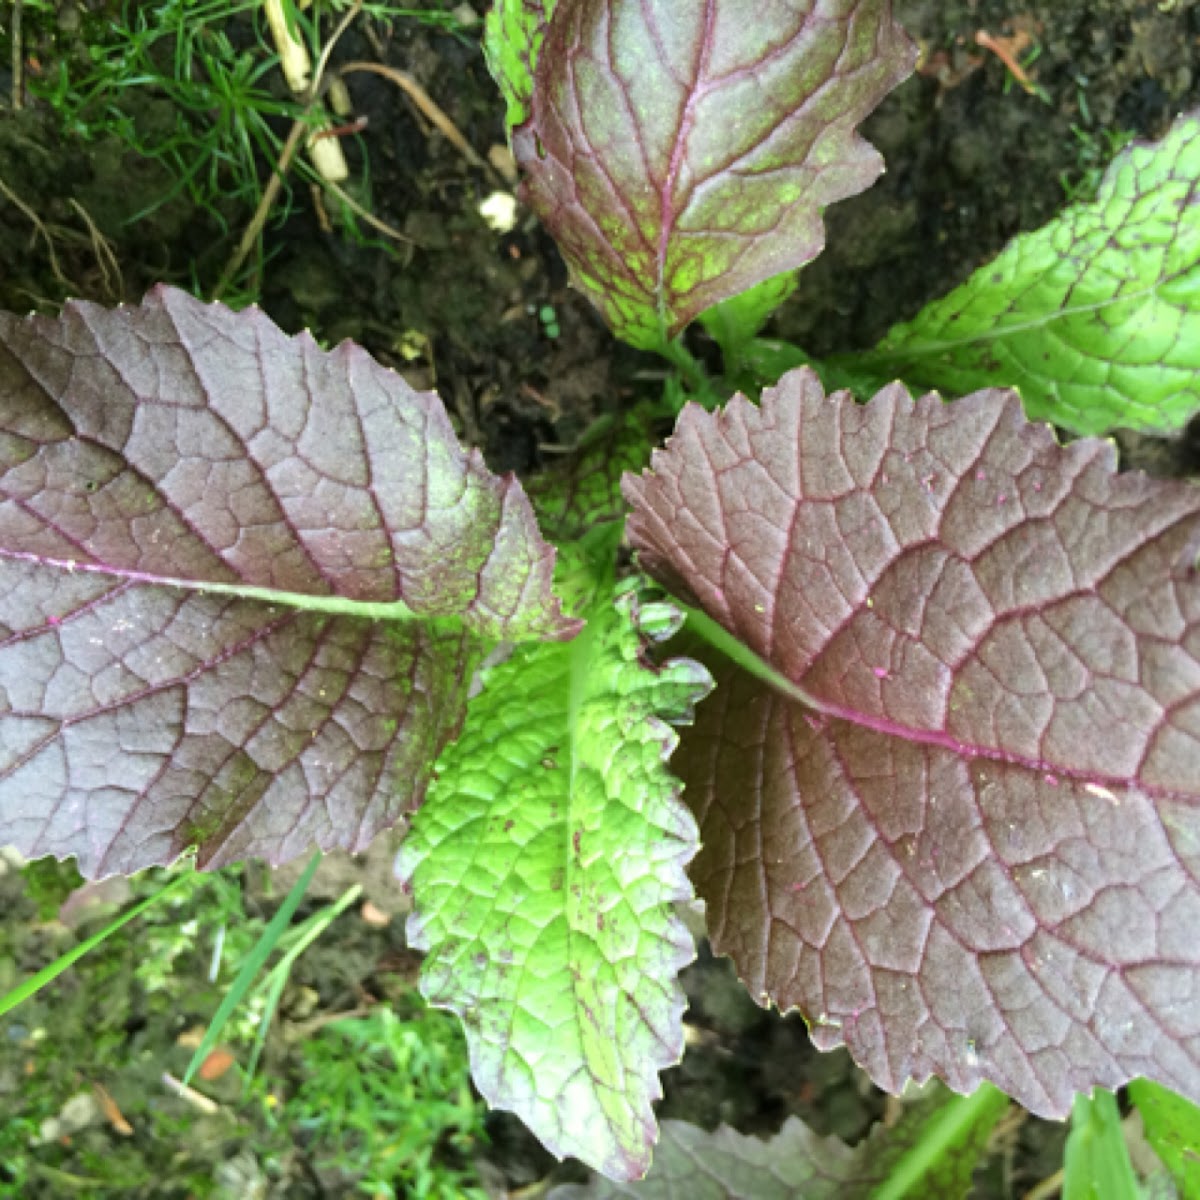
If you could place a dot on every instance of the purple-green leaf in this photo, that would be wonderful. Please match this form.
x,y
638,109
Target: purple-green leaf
x,y
545,869
950,798
242,582
682,153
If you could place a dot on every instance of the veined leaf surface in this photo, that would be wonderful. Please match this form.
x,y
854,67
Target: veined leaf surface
x,y
544,867
242,581
1095,317
948,784
681,153
512,40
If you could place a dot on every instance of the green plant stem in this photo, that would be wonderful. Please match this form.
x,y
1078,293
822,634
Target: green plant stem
x,y
279,974
48,974
689,367
717,636
274,995
316,925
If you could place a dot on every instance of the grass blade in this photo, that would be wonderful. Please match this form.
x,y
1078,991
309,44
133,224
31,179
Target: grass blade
x,y
254,963
1097,1165
48,974
279,974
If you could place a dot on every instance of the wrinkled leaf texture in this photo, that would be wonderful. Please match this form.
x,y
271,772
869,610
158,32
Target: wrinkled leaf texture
x,y
931,1151
1095,317
949,804
545,866
242,583
681,153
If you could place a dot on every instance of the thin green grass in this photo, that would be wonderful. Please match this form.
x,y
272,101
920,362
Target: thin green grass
x,y
251,967
64,962
193,86
386,1100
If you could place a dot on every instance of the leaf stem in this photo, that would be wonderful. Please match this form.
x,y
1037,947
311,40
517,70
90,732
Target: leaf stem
x,y
689,366
717,636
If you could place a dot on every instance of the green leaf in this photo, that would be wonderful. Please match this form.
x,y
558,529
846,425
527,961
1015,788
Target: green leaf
x,y
1097,1165
584,490
734,322
764,361
931,1151
544,868
1095,317
1172,1127
935,1146
512,38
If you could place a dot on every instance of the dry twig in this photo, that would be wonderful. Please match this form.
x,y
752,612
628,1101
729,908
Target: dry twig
x,y
18,56
106,259
265,204
271,191
1006,50
1051,1186
429,107
39,230
366,214
196,1099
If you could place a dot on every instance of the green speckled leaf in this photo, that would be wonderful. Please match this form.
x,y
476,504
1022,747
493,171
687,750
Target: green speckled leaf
x,y
511,41
931,1151
1096,317
544,868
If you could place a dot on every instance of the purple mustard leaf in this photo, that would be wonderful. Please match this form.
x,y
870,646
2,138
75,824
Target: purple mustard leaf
x,y
682,153
949,793
242,583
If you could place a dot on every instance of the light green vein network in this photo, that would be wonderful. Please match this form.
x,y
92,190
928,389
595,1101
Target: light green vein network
x,y
544,868
1095,317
